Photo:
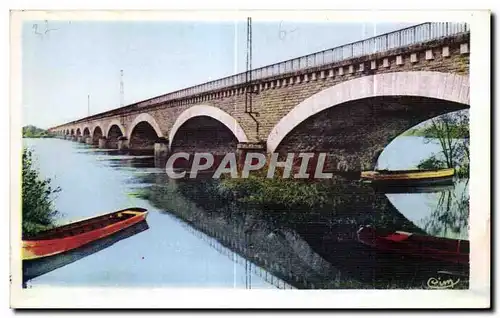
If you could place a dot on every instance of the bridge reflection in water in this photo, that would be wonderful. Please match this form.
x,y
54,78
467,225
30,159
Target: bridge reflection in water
x,y
313,248
297,249
218,241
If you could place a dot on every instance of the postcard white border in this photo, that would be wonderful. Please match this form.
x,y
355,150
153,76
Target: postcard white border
x,y
477,296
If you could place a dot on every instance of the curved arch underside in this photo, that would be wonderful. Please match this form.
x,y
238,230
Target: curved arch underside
x,y
354,133
147,118
115,124
86,132
114,133
143,136
212,112
433,85
96,134
204,134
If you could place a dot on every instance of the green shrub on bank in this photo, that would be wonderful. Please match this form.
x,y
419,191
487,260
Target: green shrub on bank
x,y
38,213
35,132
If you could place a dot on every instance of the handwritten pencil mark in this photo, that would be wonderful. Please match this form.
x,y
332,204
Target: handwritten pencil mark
x,y
283,33
44,32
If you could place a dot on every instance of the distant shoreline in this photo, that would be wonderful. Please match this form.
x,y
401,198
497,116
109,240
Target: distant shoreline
x,y
422,132
35,132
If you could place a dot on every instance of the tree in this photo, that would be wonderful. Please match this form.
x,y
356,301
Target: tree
x,y
38,212
452,133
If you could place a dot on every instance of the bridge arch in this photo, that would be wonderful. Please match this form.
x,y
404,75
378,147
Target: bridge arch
x,y
96,134
143,132
78,132
115,122
86,131
72,132
433,85
144,117
209,111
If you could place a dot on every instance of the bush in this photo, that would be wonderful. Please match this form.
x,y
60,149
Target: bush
x,y
431,163
38,213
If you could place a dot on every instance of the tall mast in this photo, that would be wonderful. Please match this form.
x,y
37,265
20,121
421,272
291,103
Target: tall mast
x,y
248,74
88,105
248,79
122,92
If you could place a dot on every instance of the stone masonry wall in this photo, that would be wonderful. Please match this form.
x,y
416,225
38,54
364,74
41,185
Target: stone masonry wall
x,y
274,97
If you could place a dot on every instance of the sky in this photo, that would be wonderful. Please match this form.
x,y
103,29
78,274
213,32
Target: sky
x,y
65,61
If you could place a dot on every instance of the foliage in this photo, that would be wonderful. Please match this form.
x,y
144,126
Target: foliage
x,y
451,215
431,163
288,193
35,132
452,133
38,212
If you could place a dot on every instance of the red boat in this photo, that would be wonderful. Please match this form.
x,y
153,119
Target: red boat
x,y
424,246
74,235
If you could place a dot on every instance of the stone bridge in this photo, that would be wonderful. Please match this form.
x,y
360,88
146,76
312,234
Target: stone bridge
x,y
349,101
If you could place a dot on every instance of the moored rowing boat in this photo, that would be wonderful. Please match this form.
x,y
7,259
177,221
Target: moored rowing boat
x,y
74,235
408,177
422,246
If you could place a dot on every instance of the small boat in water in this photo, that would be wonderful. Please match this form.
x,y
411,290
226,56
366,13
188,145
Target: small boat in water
x,y
77,234
409,177
422,246
39,266
395,189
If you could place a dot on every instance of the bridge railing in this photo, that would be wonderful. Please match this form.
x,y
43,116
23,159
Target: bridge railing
x,y
377,44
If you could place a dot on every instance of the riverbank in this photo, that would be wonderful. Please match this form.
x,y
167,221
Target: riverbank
x,y
38,212
35,132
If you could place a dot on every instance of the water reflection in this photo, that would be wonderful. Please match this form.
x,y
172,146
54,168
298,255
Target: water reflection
x,y
269,237
444,213
450,218
37,267
307,249
286,246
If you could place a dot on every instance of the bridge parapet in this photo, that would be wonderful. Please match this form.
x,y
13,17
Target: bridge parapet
x,y
378,44
365,56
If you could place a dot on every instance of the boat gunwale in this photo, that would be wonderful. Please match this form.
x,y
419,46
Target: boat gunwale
x,y
387,171
27,245
81,222
412,239
408,175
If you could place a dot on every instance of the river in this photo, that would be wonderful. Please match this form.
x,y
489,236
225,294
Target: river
x,y
188,244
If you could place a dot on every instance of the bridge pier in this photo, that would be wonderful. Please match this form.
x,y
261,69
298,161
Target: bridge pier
x,y
74,138
161,148
88,140
123,143
103,142
245,147
79,139
161,152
